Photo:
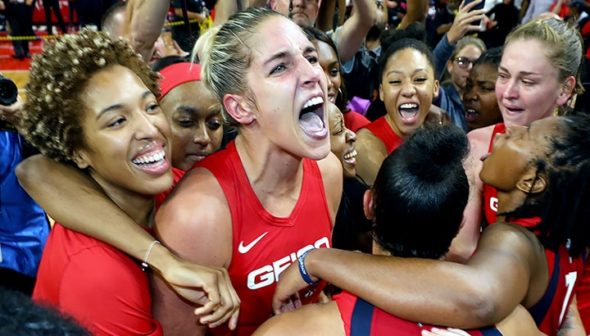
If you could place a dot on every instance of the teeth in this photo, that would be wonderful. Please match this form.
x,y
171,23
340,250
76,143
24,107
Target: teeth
x,y
408,106
313,101
149,158
350,155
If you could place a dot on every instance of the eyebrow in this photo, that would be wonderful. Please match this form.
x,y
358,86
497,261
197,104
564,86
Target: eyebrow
x,y
212,110
401,72
522,73
286,54
115,107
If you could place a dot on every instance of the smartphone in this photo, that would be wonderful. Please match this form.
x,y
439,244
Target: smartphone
x,y
480,5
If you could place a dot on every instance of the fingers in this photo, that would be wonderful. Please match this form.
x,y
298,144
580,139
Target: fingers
x,y
444,332
226,307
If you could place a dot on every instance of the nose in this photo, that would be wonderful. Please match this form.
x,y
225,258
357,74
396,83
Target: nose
x,y
145,126
350,136
408,89
311,74
297,3
201,136
470,94
511,89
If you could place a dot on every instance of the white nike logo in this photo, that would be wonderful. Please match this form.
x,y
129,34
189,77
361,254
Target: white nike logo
x,y
244,249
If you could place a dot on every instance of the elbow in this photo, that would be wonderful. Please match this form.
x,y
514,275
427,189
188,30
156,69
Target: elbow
x,y
482,308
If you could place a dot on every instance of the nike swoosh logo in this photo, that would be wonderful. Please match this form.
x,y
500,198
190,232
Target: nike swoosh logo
x,y
245,248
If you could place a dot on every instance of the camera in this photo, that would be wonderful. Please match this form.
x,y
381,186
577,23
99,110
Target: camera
x,y
8,91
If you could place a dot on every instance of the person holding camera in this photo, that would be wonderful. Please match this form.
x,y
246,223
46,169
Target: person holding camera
x,y
23,224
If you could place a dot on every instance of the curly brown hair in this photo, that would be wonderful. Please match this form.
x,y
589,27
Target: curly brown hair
x,y
52,114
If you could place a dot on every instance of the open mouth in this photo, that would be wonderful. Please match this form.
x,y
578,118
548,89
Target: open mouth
x,y
153,162
311,118
350,158
471,115
409,112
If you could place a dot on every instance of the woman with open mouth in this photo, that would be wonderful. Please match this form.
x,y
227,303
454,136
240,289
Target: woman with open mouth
x,y
407,88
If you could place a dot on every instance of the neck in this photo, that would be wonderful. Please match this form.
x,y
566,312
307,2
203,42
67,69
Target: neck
x,y
510,201
138,207
394,127
274,174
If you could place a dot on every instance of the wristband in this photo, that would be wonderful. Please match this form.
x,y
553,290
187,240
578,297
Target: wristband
x,y
144,263
303,271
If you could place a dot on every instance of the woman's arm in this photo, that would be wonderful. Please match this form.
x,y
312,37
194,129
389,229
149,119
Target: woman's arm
x,y
76,202
435,292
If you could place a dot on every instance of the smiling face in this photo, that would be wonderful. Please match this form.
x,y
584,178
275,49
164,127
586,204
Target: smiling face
x,y
125,136
479,99
329,62
461,65
407,88
528,88
515,152
342,141
196,123
287,90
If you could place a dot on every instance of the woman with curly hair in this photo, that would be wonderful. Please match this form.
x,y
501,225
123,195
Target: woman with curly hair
x,y
91,103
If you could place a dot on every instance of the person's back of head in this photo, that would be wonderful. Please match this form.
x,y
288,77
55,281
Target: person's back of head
x,y
21,316
113,20
420,193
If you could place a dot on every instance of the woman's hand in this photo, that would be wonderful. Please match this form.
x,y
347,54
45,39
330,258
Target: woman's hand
x,y
444,332
286,297
207,286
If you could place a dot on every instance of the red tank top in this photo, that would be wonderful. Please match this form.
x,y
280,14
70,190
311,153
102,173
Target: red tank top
x,y
490,196
264,245
564,275
361,318
381,129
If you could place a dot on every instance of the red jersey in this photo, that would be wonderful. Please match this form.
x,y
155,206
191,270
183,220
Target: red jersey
x,y
361,318
381,129
265,245
355,121
100,286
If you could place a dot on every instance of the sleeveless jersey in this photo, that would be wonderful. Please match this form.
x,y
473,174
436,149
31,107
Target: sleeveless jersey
x,y
361,318
265,245
490,196
381,129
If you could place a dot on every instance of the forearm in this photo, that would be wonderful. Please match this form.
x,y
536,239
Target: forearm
x,y
325,19
145,21
226,8
83,207
417,11
416,289
355,29
441,53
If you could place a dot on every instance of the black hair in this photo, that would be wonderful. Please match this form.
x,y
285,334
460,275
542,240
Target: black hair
x,y
167,61
19,315
405,43
420,193
314,34
491,56
564,207
415,31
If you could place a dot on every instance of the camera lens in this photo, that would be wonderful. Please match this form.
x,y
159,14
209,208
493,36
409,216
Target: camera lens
x,y
8,91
